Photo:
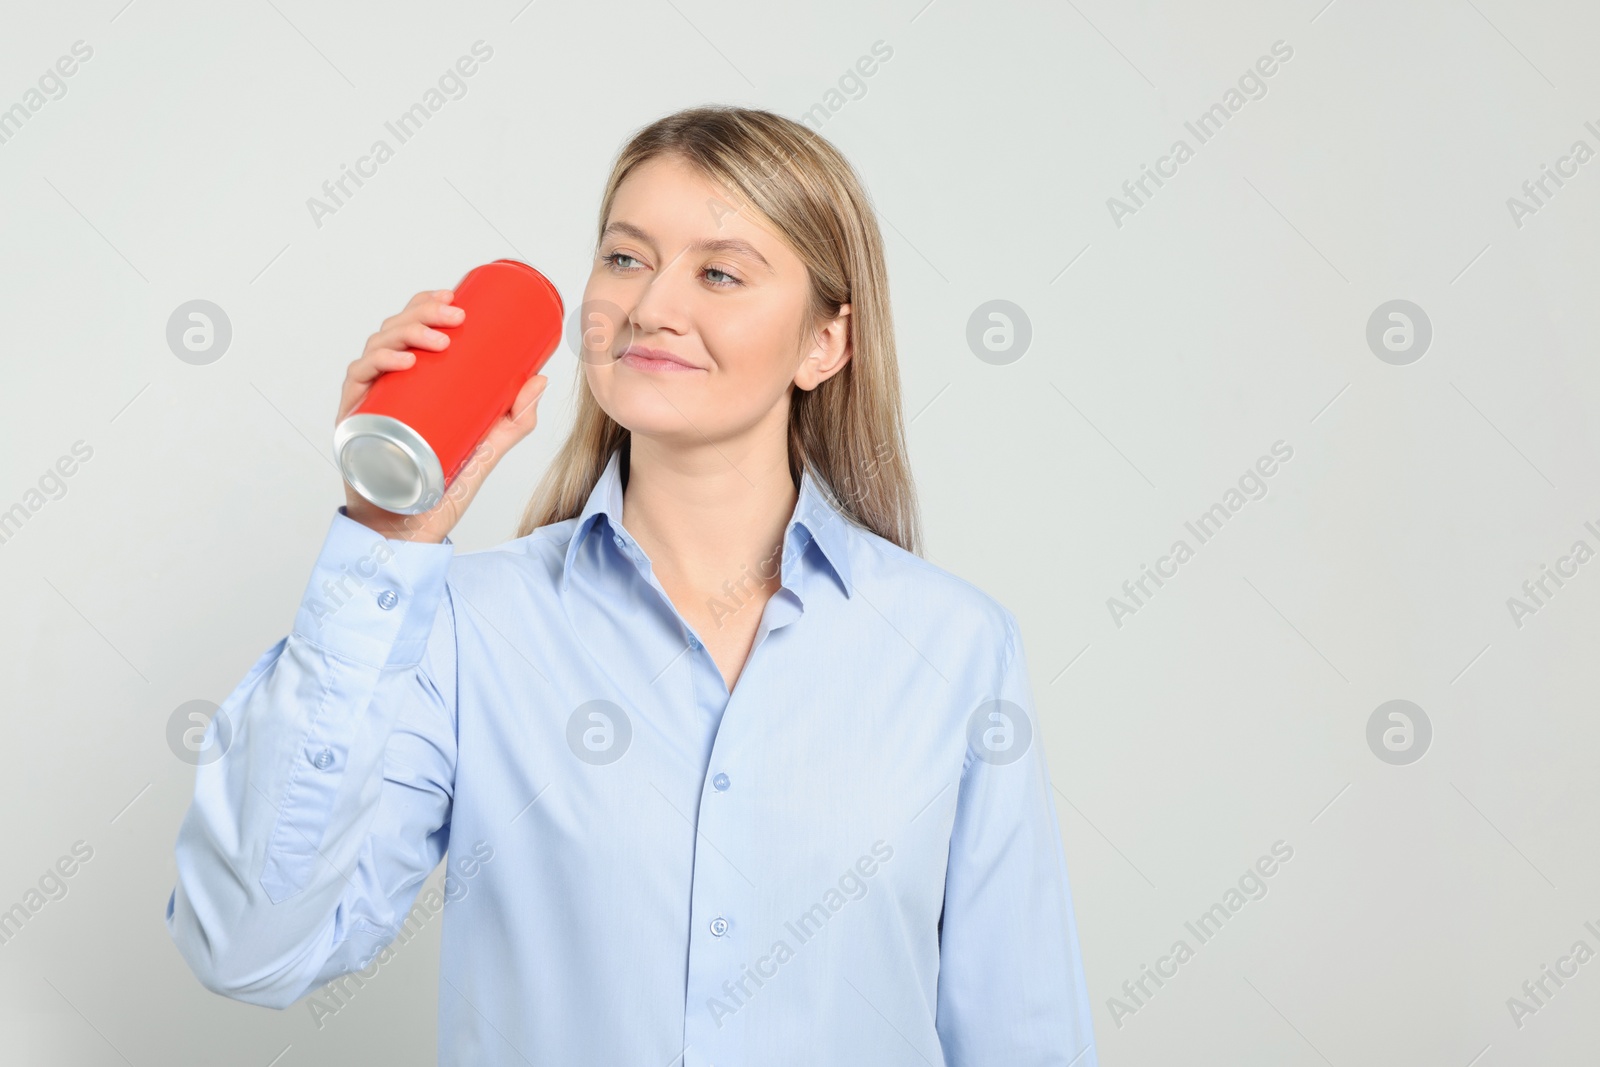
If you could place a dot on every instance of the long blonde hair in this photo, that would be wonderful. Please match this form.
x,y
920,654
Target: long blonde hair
x,y
848,432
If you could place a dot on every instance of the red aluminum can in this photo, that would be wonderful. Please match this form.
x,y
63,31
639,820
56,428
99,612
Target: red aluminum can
x,y
409,437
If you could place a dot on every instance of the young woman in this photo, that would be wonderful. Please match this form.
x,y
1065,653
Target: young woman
x,y
727,773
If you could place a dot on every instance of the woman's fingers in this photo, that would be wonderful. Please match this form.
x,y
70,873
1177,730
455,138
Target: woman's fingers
x,y
435,311
378,361
512,427
410,334
389,348
361,373
440,313
524,412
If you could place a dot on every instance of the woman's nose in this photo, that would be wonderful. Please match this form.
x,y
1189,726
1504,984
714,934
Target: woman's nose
x,y
661,302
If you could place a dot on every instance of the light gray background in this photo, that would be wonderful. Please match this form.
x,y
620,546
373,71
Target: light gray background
x,y
1167,355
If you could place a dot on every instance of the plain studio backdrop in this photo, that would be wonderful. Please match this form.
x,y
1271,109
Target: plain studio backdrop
x,y
1371,271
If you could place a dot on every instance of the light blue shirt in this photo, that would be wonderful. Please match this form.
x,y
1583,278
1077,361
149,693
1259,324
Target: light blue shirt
x,y
853,858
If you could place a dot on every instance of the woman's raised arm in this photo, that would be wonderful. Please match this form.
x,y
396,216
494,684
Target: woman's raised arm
x,y
308,838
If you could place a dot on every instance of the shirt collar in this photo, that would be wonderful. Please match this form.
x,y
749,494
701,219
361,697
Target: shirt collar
x,y
814,519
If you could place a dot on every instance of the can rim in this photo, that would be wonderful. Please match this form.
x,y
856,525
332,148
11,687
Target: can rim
x,y
427,472
536,274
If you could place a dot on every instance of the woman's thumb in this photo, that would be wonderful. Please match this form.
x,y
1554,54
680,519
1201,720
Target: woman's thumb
x,y
524,409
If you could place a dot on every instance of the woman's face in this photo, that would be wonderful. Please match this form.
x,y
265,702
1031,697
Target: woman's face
x,y
687,270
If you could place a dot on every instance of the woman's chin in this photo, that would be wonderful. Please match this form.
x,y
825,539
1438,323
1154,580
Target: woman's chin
x,y
657,416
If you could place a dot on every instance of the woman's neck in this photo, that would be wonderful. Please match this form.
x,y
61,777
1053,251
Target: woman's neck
x,y
706,515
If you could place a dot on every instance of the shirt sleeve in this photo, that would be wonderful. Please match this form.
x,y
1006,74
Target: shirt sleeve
x,y
309,836
1011,988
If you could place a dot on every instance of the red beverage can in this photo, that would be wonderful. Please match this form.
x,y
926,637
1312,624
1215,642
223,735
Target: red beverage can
x,y
409,437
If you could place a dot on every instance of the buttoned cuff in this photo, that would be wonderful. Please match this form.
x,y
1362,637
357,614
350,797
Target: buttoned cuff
x,y
372,599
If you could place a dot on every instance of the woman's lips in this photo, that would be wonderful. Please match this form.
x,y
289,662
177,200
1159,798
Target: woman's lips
x,y
644,359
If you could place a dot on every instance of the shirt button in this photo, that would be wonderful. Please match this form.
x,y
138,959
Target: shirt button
x,y
618,539
719,926
387,599
323,760
694,643
721,782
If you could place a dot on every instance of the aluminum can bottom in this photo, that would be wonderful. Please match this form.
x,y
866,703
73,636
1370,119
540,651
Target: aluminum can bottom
x,y
388,463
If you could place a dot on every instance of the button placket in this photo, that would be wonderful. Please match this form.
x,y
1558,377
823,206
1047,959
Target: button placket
x,y
721,894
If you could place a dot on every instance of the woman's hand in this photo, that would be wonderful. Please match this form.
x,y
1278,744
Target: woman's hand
x,y
386,351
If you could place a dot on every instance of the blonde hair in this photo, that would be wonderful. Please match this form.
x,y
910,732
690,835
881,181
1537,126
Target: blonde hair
x,y
848,432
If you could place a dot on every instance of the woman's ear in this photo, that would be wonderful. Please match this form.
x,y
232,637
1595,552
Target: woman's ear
x,y
830,351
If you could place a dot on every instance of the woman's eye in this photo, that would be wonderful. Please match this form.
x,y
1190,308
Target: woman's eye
x,y
724,281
